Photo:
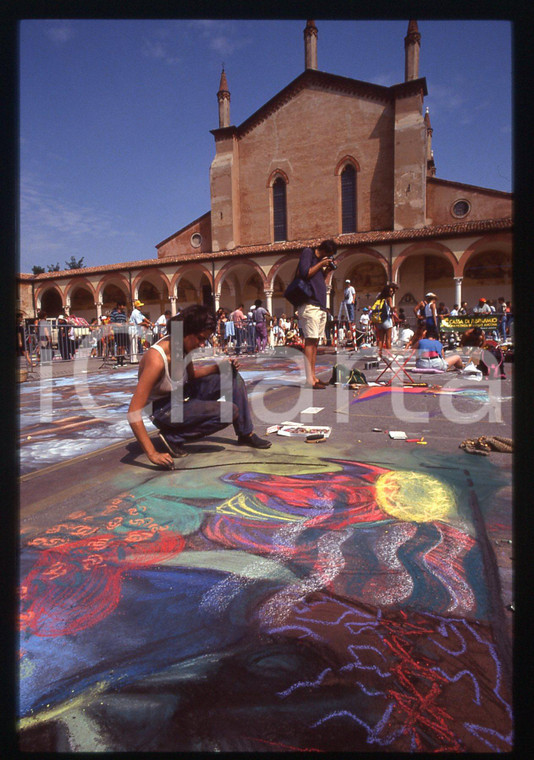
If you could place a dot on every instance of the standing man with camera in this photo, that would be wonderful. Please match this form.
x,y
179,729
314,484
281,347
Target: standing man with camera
x,y
314,265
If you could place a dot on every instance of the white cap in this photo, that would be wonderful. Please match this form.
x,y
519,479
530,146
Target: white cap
x,y
347,280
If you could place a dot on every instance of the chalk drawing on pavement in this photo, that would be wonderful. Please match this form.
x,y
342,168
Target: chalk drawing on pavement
x,y
341,609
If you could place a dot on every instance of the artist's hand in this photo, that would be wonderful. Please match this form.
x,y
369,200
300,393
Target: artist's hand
x,y
235,362
163,459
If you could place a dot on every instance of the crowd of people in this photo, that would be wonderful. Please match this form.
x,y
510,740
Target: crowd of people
x,y
254,330
115,334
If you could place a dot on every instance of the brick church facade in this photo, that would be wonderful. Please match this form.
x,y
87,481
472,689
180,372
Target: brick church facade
x,y
327,157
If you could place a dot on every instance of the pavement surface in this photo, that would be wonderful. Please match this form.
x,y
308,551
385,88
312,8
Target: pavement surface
x,y
347,595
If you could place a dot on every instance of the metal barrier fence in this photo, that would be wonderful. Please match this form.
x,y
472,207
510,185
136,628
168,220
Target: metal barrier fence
x,y
65,342
107,342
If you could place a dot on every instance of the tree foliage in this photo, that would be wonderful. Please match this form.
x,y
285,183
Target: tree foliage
x,y
37,269
75,263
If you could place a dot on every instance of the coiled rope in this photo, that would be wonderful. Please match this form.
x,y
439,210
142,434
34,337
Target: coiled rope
x,y
486,443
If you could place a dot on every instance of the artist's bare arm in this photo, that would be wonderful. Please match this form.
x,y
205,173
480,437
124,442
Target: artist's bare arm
x,y
316,267
197,371
151,371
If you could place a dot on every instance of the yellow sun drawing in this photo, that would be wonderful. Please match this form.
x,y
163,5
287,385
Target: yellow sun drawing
x,y
415,497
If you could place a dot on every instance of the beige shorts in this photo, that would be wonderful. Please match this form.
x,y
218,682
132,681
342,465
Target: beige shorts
x,y
312,321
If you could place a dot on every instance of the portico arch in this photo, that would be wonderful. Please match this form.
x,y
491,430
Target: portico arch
x,y
243,265
487,274
429,248
50,299
367,271
152,288
111,291
191,284
80,299
423,268
485,269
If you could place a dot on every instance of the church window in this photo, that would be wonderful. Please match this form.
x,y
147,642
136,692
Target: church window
x,y
348,199
279,209
461,208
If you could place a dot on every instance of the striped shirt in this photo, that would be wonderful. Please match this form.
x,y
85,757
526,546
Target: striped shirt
x,y
118,316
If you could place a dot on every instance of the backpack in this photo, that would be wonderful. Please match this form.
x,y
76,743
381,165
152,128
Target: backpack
x,y
342,374
356,377
496,368
379,311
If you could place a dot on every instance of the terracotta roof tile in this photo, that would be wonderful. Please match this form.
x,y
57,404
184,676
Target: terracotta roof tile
x,y
355,239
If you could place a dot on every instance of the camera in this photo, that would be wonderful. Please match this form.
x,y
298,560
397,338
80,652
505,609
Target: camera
x,y
332,264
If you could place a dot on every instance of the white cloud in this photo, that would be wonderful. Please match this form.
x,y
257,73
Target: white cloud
x,y
444,97
386,79
60,31
222,36
52,225
159,50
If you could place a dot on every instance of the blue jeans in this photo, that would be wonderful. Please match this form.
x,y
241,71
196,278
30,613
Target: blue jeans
x,y
502,326
348,309
239,338
202,413
251,338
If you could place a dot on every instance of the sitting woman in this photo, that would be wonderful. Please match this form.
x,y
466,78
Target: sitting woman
x,y
474,337
197,388
430,353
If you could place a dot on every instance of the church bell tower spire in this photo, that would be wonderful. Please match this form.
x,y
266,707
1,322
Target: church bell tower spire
x,y
310,45
223,96
412,47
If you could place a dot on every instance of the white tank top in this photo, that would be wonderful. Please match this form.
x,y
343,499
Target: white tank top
x,y
165,384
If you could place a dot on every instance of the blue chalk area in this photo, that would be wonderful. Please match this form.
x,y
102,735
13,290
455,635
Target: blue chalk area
x,y
158,622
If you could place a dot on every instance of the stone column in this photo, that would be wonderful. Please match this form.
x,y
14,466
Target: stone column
x,y
217,299
269,299
98,305
458,290
173,300
66,307
329,296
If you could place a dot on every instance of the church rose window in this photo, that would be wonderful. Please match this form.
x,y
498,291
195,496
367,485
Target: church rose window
x,y
279,209
461,208
348,199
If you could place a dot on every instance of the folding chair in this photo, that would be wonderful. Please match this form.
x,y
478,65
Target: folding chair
x,y
396,362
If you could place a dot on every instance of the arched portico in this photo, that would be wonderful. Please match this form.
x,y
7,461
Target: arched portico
x,y
487,274
80,299
191,284
424,267
110,291
247,280
367,271
152,288
49,298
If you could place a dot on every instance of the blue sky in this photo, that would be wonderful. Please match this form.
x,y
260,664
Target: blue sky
x,y
115,115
